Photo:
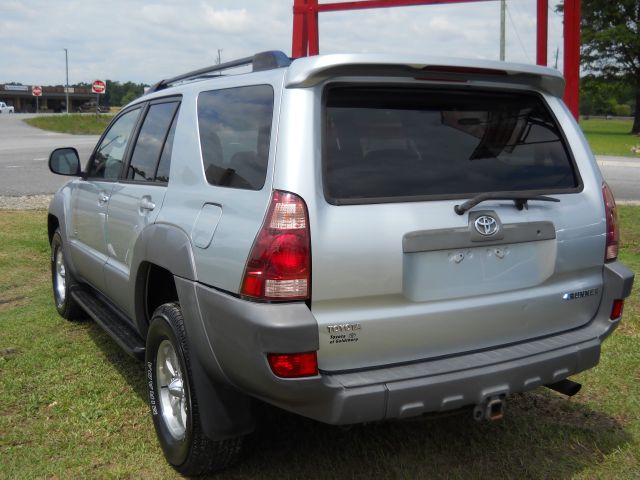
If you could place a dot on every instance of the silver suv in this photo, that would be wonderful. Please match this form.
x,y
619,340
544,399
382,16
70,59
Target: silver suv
x,y
351,238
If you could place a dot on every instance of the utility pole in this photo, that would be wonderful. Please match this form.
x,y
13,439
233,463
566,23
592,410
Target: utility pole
x,y
557,53
219,59
66,88
503,8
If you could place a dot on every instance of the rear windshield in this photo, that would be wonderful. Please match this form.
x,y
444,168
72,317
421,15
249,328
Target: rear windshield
x,y
389,143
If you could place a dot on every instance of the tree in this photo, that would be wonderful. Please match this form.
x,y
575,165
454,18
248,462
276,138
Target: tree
x,y
600,96
130,96
610,37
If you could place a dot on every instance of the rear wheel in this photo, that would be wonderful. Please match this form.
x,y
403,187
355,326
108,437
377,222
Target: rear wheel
x,y
62,280
173,400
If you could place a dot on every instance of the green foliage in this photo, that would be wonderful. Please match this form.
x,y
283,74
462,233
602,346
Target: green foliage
x,y
600,96
610,39
73,123
610,36
623,110
119,94
130,96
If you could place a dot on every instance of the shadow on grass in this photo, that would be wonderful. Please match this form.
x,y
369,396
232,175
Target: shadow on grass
x,y
543,435
131,369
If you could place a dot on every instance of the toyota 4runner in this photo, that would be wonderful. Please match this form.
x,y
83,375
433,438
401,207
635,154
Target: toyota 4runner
x,y
352,238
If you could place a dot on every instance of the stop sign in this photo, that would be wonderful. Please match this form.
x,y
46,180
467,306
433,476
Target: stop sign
x,y
36,91
98,86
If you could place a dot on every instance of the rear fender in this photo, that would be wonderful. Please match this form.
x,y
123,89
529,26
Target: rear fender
x,y
152,246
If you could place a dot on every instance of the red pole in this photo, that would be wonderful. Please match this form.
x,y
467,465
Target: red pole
x,y
366,4
299,46
312,27
542,32
572,55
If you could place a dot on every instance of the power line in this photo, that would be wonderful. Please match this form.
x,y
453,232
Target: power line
x,y
518,35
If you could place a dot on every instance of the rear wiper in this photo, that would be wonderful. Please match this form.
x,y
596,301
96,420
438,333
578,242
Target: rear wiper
x,y
519,198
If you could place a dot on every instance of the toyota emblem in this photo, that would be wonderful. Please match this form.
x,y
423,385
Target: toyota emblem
x,y
486,225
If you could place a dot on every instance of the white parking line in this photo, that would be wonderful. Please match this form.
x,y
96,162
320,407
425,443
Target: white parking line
x,y
40,159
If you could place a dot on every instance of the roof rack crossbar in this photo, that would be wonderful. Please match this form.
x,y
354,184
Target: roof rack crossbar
x,y
259,61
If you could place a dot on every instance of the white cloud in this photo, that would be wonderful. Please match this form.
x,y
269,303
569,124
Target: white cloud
x,y
146,40
230,21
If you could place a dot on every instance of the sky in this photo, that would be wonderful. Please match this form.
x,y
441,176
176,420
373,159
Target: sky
x,y
144,40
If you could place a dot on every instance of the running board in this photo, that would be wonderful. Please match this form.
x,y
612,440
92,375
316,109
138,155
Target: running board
x,y
111,322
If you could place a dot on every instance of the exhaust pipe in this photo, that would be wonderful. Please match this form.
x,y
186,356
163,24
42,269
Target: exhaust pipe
x,y
492,409
566,387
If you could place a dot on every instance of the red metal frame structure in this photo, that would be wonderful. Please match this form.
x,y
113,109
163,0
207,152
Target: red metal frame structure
x,y
305,32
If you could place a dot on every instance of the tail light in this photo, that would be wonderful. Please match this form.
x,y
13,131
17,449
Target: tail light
x,y
293,365
613,232
616,309
279,264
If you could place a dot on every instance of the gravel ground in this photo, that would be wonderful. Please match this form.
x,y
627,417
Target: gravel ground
x,y
25,202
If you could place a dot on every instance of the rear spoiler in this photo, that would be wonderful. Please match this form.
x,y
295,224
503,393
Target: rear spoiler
x,y
310,71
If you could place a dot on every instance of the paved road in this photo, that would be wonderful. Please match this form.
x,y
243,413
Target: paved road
x,y
24,151
623,176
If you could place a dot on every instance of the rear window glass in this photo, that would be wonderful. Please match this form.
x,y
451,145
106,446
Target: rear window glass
x,y
386,142
235,131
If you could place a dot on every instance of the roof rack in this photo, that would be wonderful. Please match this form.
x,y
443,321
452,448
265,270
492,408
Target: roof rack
x,y
259,62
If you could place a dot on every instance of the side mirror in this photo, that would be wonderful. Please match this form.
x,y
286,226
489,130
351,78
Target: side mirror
x,y
65,161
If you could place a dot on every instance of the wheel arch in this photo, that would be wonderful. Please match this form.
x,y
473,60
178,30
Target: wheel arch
x,y
161,252
52,225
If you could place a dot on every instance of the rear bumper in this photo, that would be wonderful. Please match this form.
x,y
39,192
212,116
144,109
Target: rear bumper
x,y
232,337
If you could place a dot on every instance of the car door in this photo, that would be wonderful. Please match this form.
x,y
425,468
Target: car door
x,y
90,199
136,199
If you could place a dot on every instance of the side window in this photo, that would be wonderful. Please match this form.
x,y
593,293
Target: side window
x,y
235,131
150,142
162,175
107,162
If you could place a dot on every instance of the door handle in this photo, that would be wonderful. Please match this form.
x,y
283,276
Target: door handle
x,y
103,198
147,204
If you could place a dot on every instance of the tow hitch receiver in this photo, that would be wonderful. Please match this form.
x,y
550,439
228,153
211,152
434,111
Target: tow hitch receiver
x,y
491,409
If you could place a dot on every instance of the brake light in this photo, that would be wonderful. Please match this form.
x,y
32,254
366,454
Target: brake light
x,y
613,232
616,310
293,365
279,264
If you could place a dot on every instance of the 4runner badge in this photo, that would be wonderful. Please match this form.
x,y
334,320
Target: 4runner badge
x,y
580,294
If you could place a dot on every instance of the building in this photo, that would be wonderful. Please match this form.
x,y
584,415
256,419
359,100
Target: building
x,y
53,99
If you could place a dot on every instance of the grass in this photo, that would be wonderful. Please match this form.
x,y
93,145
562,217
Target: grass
x,y
73,405
610,137
73,123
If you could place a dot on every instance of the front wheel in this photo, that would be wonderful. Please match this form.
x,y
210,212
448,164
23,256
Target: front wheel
x,y
62,280
173,401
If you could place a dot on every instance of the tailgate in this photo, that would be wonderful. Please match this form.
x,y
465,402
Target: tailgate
x,y
398,276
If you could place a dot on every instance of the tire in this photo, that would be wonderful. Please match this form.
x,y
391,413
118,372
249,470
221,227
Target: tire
x,y
62,280
173,401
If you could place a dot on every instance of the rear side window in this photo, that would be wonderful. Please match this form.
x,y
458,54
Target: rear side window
x,y
152,141
162,174
235,131
390,143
